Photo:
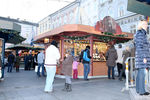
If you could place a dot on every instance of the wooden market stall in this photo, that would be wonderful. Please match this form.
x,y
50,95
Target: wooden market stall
x,y
77,37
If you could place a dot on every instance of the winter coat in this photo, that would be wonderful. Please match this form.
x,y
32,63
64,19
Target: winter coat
x,y
52,55
67,65
17,62
111,57
11,58
119,53
81,56
125,55
40,58
141,49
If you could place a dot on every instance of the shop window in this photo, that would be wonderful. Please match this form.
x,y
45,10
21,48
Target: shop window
x,y
99,48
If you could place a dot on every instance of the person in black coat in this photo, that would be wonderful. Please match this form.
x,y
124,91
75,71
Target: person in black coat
x,y
30,60
11,59
86,62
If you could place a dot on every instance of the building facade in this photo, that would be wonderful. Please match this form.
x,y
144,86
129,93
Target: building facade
x,y
28,29
88,12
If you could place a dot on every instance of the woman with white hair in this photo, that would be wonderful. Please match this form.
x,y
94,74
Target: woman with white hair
x,y
142,56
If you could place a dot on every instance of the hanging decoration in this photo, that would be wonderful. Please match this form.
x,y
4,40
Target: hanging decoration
x,y
76,37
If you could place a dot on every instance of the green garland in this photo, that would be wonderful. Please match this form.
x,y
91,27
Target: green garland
x,y
76,37
8,31
107,33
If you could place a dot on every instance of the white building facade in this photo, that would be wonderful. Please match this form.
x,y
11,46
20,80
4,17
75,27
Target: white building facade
x,y
28,29
88,12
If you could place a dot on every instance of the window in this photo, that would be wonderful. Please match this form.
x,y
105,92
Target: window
x,y
120,11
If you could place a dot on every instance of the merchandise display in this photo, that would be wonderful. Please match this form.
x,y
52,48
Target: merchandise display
x,y
99,48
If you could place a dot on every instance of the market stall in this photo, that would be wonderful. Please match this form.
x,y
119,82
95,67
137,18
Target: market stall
x,y
77,37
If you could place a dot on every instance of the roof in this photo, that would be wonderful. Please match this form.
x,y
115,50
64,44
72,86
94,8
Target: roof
x,y
78,29
11,36
18,21
25,47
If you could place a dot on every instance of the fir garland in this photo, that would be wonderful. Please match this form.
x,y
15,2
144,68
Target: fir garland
x,y
8,31
76,37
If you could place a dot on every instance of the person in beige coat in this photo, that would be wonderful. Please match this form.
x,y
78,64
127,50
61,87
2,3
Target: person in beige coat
x,y
67,71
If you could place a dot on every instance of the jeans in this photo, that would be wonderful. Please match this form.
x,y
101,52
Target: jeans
x,y
86,70
110,68
10,66
38,72
140,81
51,70
119,67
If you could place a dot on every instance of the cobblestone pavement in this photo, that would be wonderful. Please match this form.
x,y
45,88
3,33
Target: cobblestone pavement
x,y
25,85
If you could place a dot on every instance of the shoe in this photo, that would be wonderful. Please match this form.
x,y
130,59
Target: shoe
x,y
120,79
113,78
44,75
146,93
109,78
49,91
86,79
69,89
65,87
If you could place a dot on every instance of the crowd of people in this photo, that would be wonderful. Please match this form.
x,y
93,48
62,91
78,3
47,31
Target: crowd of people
x,y
49,59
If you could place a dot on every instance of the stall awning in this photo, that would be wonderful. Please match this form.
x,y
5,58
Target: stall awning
x,y
139,7
73,30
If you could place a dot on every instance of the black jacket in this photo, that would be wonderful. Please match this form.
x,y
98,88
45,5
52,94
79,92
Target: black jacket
x,y
81,56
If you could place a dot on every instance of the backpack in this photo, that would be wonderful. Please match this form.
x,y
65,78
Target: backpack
x,y
85,56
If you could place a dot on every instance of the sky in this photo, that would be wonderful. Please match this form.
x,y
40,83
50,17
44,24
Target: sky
x,y
30,10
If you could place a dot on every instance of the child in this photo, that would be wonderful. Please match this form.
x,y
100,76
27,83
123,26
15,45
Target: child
x,y
67,71
75,68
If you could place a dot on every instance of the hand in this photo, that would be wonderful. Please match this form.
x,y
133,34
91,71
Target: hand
x,y
144,60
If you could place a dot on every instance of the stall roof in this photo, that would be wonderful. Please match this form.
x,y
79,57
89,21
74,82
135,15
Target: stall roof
x,y
24,47
74,28
10,32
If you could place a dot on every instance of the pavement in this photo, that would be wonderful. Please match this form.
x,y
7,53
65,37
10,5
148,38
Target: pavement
x,y
25,85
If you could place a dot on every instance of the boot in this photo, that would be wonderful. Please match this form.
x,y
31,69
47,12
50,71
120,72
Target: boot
x,y
65,87
69,88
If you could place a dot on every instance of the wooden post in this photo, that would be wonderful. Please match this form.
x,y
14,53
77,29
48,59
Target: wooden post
x,y
91,53
62,48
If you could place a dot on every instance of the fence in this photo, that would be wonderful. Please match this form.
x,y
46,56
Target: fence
x,y
131,74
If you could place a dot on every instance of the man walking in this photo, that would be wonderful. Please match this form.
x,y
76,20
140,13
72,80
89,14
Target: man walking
x,y
85,57
40,63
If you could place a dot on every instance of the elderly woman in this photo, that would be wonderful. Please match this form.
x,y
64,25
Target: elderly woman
x,y
67,71
142,58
